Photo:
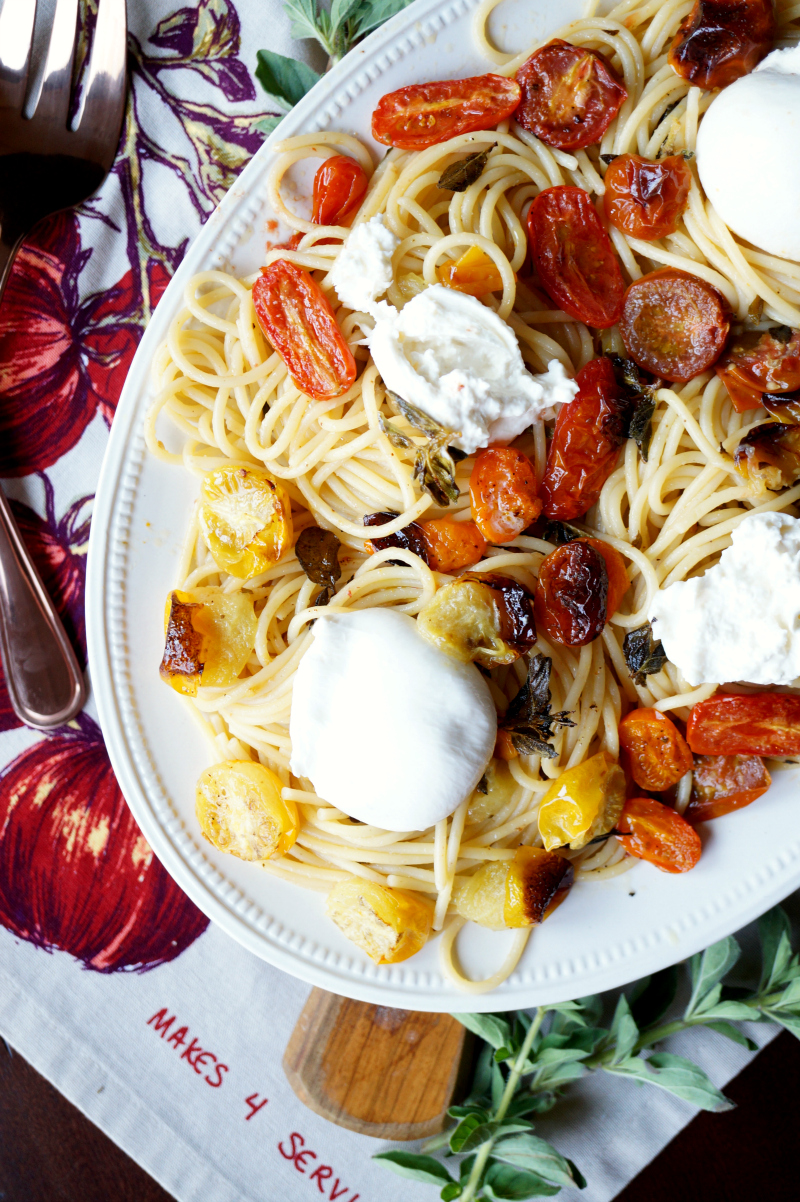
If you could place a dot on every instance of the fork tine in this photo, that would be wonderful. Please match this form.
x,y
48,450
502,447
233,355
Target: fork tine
x,y
53,106
16,38
103,102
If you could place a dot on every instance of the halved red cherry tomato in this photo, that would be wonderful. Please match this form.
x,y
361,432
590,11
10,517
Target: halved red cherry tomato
x,y
673,324
339,187
299,322
756,363
574,257
732,724
452,545
655,752
503,492
424,114
585,445
618,582
721,40
723,783
644,198
656,833
571,600
570,95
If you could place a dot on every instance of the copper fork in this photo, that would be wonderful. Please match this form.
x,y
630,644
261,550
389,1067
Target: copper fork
x,y
48,162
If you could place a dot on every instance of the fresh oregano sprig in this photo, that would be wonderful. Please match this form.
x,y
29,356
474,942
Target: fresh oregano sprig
x,y
526,1062
336,29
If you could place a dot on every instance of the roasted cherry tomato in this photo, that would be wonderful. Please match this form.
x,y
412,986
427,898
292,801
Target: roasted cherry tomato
x,y
485,618
769,456
656,833
502,489
757,363
570,95
299,322
721,40
582,803
424,114
571,602
475,273
452,545
618,582
410,538
573,256
673,324
655,752
339,187
644,198
732,724
723,783
585,445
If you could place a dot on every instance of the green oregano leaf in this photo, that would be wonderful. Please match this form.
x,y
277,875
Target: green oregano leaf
x,y
284,79
624,1031
708,968
731,1032
503,1183
776,948
453,1190
458,176
415,1166
652,997
526,1151
434,465
495,1030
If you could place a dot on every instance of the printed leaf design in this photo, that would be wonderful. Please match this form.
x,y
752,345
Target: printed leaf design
x,y
206,39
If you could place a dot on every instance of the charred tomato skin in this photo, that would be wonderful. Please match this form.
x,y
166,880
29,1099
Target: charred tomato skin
x,y
570,95
410,538
757,363
585,445
574,257
645,198
722,40
674,324
572,595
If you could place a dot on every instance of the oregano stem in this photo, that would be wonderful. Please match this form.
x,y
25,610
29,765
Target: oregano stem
x,y
484,1151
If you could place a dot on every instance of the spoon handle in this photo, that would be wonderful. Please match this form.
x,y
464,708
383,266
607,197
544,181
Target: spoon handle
x,y
44,681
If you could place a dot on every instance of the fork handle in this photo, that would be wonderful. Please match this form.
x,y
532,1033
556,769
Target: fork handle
x,y
9,244
44,681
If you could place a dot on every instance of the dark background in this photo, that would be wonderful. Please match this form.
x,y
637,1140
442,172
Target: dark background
x,y
50,1153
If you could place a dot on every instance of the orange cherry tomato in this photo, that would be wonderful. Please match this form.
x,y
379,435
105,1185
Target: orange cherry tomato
x,y
475,273
655,752
424,114
656,833
502,489
452,545
339,187
618,582
585,445
299,322
730,724
571,599
644,198
673,324
721,40
573,256
570,95
723,783
757,363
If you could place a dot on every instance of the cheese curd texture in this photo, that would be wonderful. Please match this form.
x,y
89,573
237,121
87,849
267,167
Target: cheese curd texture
x,y
363,269
444,352
387,728
748,154
741,620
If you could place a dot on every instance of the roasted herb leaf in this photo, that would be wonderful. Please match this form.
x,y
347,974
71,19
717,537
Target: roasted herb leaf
x,y
528,718
644,655
644,397
318,553
561,532
434,465
609,158
458,176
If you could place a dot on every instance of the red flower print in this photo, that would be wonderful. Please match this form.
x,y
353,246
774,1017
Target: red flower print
x,y
61,359
76,873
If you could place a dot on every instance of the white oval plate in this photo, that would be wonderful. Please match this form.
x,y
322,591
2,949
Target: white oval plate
x,y
609,932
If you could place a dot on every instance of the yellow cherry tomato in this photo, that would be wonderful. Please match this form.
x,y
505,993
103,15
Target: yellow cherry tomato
x,y
209,636
537,882
241,810
246,519
475,273
584,802
389,924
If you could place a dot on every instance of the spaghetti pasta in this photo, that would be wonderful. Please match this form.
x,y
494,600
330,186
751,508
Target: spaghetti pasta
x,y
229,394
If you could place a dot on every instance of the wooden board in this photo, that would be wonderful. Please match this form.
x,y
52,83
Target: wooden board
x,y
382,1072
